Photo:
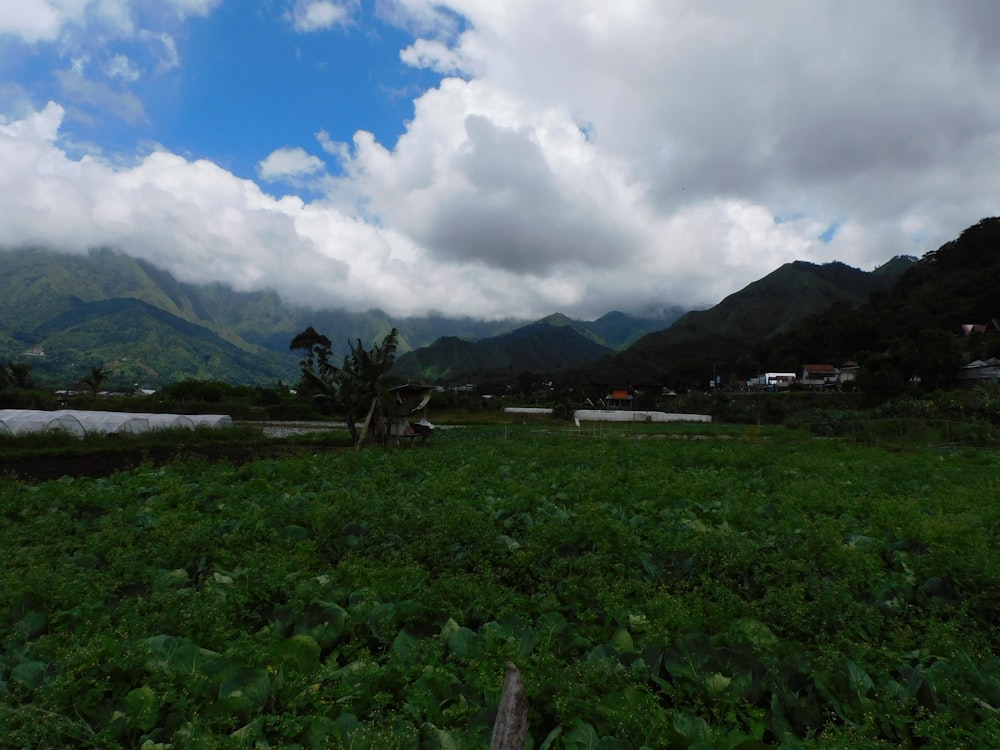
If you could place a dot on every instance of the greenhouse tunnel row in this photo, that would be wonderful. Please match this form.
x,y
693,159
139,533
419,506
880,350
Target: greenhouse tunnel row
x,y
81,423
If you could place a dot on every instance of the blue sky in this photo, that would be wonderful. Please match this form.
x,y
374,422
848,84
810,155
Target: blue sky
x,y
249,83
289,87
496,159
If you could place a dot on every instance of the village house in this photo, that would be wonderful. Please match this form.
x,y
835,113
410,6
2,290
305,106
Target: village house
x,y
771,381
619,398
819,376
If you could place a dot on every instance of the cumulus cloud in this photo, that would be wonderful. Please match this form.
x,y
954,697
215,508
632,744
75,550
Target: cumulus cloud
x,y
318,15
289,162
579,156
421,18
32,20
45,20
200,222
671,136
84,29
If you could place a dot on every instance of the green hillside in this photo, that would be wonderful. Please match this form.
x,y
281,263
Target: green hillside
x,y
552,343
544,346
774,304
914,327
105,308
78,310
143,345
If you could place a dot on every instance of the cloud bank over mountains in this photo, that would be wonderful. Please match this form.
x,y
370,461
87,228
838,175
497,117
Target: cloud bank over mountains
x,y
574,156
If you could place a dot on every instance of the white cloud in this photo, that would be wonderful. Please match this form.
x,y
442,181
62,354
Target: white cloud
x,y
163,49
201,223
119,66
582,156
101,97
289,162
422,18
32,20
666,136
318,15
45,20
185,8
438,56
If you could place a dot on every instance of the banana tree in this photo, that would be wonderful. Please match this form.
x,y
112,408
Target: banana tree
x,y
368,368
353,385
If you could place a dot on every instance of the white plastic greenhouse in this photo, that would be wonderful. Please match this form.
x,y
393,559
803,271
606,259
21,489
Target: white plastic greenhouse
x,y
23,421
600,415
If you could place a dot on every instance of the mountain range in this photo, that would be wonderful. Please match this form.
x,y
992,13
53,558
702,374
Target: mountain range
x,y
65,314
771,306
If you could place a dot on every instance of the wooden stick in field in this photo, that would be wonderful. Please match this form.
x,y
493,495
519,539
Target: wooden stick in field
x,y
511,729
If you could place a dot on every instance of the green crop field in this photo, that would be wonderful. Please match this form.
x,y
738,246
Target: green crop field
x,y
660,589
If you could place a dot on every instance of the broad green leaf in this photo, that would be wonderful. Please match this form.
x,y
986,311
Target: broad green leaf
x,y
690,728
756,632
581,736
382,620
345,725
448,628
324,621
249,734
143,707
32,625
861,683
404,643
299,653
717,683
605,652
296,533
463,642
638,622
178,655
442,740
510,543
550,738
622,641
168,580
244,688
29,674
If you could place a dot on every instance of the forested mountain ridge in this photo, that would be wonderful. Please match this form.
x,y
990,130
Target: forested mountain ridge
x,y
64,314
777,303
541,346
107,308
914,328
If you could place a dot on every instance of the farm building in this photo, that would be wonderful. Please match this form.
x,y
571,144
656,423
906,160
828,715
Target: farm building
x,y
818,376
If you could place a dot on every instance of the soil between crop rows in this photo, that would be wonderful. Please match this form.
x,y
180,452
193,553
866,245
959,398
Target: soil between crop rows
x,y
43,468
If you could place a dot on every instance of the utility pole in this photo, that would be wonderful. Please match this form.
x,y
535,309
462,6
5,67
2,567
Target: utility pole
x,y
715,379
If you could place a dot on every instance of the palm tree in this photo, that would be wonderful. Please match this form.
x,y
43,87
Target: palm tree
x,y
19,374
94,380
